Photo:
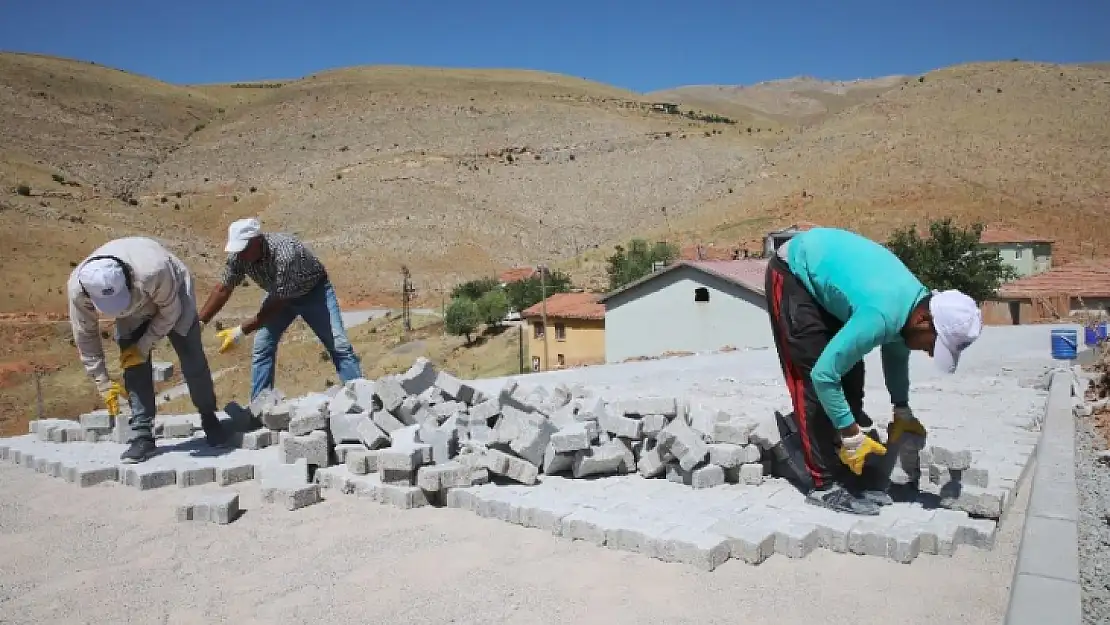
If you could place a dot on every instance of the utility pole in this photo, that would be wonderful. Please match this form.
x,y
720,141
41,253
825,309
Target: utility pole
x,y
543,310
520,344
406,298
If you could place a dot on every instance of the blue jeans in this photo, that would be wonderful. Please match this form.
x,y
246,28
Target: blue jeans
x,y
139,380
320,310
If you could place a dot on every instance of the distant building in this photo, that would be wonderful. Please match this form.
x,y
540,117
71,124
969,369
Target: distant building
x,y
665,107
773,240
1075,288
516,274
574,334
1028,254
688,307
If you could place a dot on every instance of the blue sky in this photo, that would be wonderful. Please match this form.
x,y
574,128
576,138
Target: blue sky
x,y
643,45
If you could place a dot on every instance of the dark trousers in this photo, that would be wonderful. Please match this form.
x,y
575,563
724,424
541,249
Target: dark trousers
x,y
802,329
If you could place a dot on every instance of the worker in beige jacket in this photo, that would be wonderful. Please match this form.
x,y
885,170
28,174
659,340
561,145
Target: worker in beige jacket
x,y
149,293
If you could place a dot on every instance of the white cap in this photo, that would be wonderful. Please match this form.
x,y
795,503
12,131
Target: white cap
x,y
958,322
240,233
103,279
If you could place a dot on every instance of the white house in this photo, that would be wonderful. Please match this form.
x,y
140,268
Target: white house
x,y
689,306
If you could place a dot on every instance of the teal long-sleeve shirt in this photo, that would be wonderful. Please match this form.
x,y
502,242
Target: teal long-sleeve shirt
x,y
872,292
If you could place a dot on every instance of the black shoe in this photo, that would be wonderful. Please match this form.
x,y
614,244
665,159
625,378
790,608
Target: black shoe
x,y
214,433
877,497
838,499
142,449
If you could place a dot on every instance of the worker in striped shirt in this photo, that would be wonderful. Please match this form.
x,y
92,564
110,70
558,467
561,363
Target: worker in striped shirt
x,y
296,284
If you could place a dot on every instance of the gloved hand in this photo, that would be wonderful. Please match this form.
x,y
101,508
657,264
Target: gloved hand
x,y
903,423
229,338
855,449
130,357
111,398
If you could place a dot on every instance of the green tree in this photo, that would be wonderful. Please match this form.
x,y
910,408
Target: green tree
x,y
526,292
493,305
461,318
475,289
635,262
952,258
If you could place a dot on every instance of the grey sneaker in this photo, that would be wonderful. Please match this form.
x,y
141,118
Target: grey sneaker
x,y
838,499
142,449
878,497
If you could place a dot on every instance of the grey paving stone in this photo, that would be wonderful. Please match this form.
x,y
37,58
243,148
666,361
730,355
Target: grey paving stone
x,y
599,460
233,474
313,447
386,422
195,476
146,477
258,439
289,494
574,437
732,431
221,507
684,444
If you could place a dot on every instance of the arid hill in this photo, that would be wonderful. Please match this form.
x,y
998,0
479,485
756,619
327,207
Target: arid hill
x,y
457,173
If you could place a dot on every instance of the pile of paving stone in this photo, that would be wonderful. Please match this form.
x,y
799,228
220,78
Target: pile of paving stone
x,y
428,431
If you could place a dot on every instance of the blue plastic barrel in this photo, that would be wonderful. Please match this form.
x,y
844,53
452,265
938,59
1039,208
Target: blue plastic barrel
x,y
1093,335
1065,344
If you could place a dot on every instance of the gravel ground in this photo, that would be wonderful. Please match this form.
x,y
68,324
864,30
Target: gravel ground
x,y
1093,477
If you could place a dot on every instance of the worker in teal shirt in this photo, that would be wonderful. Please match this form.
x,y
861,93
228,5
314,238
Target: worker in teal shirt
x,y
833,296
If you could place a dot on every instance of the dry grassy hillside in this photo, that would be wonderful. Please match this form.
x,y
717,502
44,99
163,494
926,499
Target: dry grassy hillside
x,y
1019,143
786,102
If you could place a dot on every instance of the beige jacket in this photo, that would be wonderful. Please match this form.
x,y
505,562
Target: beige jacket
x,y
162,292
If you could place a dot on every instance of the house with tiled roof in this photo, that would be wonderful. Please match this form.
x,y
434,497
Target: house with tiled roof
x,y
1028,254
516,274
1057,293
688,307
565,330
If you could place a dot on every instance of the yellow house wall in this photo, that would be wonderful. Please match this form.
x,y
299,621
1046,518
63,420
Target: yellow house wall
x,y
584,343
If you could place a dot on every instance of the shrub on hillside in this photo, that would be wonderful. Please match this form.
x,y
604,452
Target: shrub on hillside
x,y
60,179
461,318
475,289
493,306
23,189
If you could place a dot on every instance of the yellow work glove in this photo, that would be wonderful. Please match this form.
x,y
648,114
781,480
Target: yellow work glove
x,y
111,398
229,338
903,423
130,357
855,449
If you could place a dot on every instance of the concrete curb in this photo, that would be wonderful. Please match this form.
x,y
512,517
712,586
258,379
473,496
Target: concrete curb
x,y
1046,576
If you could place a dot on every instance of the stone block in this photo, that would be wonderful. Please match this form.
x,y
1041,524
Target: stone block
x,y
161,371
796,539
750,474
503,464
704,420
342,449
732,431
981,502
342,403
653,461
408,411
312,447
362,462
219,507
653,424
403,459
556,462
195,476
289,495
532,442
86,475
445,442
397,477
258,439
617,425
751,537
277,416
485,411
705,476
604,459
306,421
144,477
728,455
365,394
420,377
386,421
179,426
234,474
684,444
99,420
369,434
455,389
640,406
404,497
702,549
438,477
957,459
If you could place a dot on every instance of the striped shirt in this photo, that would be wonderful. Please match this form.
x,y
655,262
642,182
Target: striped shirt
x,y
287,268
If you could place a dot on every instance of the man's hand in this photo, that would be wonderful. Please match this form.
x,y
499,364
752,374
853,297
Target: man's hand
x,y
229,338
855,449
111,398
130,357
903,423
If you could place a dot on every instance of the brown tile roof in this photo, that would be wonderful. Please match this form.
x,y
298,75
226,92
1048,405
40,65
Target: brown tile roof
x,y
569,306
516,274
1081,279
711,252
1002,234
747,273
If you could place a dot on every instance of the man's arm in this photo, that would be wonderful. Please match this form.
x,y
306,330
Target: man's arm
x,y
896,372
860,335
86,336
164,292
270,306
217,299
